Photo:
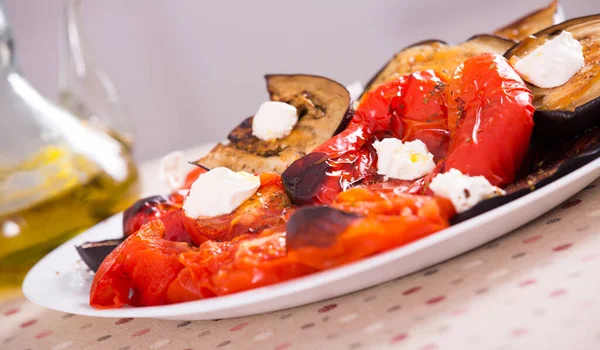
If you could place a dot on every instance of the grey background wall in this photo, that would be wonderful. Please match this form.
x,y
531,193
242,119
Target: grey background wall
x,y
190,70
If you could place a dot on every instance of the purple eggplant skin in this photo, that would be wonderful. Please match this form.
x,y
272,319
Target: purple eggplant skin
x,y
94,253
567,123
550,160
551,118
317,226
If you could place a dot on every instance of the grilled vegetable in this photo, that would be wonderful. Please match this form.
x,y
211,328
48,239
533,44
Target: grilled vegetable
x,y
323,109
549,160
407,108
93,253
489,118
531,23
438,56
361,223
138,272
572,108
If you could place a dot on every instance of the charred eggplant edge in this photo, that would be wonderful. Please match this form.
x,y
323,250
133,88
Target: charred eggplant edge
x,y
563,122
368,85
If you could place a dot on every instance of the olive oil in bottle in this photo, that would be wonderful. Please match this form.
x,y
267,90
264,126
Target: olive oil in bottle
x,y
74,195
60,172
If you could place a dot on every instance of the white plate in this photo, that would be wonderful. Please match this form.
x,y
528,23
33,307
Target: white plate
x,y
56,282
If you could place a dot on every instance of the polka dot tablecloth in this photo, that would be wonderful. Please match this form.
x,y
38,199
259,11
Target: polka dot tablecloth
x,y
535,288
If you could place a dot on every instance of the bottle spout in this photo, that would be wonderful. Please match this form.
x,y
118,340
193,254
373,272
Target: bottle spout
x,y
85,89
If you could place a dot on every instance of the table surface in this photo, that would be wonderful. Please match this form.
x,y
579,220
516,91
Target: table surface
x,y
535,288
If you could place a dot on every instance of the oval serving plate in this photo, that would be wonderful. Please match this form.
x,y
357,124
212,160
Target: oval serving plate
x,y
60,281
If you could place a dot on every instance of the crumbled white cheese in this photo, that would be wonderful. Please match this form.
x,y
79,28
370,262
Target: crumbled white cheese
x,y
171,170
553,63
274,120
219,191
404,161
463,191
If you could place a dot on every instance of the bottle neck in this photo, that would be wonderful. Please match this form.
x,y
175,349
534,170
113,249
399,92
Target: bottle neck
x,y
6,41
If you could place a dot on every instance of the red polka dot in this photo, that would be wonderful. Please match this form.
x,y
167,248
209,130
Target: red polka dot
x,y
429,347
527,282
435,300
557,293
328,307
399,337
532,239
458,312
239,327
562,247
140,332
411,290
28,323
571,204
590,257
43,334
123,320
282,346
12,311
518,332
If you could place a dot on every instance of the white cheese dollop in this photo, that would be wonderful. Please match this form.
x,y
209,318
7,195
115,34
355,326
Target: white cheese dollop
x,y
553,63
404,161
219,191
274,120
463,191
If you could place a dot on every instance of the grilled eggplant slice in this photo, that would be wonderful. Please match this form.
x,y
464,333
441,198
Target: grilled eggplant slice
x,y
93,253
574,107
438,56
323,109
530,23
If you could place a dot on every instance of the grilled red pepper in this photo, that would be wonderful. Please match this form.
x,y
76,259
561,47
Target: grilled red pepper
x,y
409,108
145,264
490,118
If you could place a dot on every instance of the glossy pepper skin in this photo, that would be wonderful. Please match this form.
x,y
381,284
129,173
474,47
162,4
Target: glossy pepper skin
x,y
361,223
246,262
409,108
490,118
167,209
145,263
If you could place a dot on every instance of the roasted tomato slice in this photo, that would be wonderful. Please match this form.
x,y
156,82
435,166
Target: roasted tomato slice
x,y
145,264
409,108
246,262
361,223
266,208
490,118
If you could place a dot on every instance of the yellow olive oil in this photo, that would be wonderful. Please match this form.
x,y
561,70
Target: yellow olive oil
x,y
76,193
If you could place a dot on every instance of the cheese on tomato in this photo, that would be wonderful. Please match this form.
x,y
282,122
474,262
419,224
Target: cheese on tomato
x,y
403,160
274,120
463,191
219,191
553,63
